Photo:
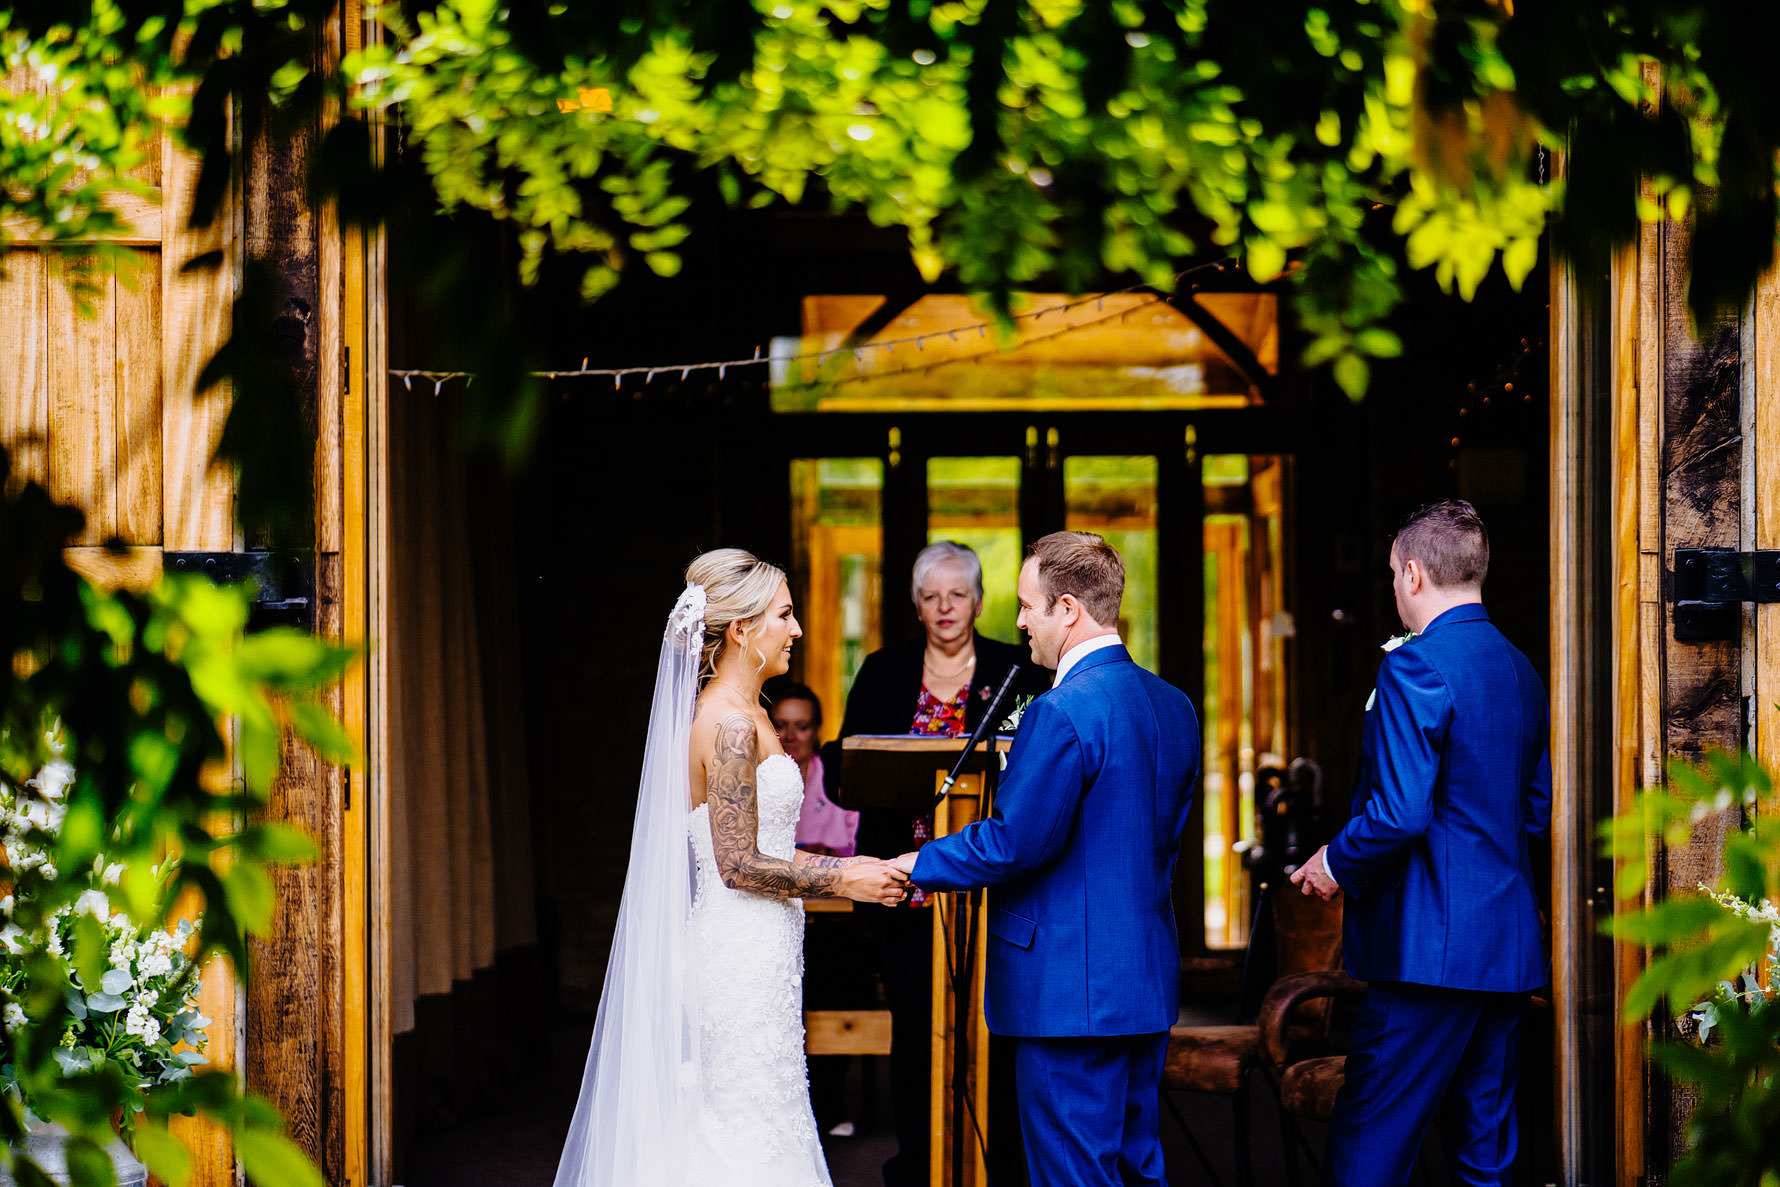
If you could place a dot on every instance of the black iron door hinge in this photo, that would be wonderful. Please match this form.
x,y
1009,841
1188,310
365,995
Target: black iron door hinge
x,y
1711,584
283,582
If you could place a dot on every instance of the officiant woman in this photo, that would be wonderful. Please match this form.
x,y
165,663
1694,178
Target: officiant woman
x,y
937,685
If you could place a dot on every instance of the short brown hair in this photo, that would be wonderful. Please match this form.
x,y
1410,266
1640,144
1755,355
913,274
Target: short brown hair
x,y
1449,540
1084,565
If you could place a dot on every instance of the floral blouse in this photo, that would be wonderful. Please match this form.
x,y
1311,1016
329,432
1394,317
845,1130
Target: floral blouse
x,y
940,719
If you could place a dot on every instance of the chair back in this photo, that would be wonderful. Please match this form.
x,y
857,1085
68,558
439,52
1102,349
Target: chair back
x,y
1307,939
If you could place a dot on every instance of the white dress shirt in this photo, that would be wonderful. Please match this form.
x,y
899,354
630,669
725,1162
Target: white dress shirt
x,y
1081,651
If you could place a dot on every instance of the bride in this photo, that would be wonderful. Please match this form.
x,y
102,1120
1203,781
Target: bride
x,y
697,1075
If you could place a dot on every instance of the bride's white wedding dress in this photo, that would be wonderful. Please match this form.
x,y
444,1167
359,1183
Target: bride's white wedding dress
x,y
696,1072
752,1124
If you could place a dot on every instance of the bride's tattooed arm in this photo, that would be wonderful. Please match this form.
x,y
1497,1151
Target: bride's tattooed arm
x,y
735,825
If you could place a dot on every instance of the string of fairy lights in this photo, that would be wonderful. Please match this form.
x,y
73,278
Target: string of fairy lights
x,y
648,373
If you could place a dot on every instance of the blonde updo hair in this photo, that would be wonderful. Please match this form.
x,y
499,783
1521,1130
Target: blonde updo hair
x,y
739,587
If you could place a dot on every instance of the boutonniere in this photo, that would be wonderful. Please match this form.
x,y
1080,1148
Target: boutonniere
x,y
1011,723
1389,645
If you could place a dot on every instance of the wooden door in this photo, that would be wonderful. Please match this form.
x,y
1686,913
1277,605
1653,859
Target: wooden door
x,y
100,405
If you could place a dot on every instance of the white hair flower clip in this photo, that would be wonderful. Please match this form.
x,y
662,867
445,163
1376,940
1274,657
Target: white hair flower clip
x,y
686,625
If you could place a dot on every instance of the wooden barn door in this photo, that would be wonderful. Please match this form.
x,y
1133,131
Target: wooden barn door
x,y
100,405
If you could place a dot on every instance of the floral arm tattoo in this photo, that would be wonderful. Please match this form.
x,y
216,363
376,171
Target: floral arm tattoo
x,y
822,861
735,825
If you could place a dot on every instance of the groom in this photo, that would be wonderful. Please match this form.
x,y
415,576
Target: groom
x,y
1083,958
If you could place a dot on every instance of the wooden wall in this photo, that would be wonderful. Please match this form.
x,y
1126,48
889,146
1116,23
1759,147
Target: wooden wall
x,y
1696,448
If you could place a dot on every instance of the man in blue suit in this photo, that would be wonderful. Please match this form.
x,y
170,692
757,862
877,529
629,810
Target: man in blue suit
x,y
1083,958
1441,918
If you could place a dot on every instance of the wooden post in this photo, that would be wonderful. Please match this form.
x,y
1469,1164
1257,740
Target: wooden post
x,y
1678,421
959,1104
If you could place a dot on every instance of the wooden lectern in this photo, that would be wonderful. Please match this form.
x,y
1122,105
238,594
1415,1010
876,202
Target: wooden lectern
x,y
903,773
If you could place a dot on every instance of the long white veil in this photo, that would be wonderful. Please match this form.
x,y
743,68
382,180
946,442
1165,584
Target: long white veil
x,y
642,1071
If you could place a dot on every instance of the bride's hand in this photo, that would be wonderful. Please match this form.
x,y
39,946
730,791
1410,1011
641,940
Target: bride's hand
x,y
872,881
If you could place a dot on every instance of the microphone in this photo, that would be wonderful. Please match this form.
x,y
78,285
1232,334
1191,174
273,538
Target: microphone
x,y
977,735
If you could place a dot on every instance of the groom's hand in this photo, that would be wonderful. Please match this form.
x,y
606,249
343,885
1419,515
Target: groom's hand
x,y
1313,876
905,863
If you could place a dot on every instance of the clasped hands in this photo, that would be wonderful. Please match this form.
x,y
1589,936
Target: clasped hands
x,y
875,880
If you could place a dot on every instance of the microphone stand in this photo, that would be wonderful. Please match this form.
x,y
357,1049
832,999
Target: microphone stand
x,y
961,960
984,726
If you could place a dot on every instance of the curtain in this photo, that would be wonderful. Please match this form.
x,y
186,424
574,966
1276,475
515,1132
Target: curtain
x,y
460,847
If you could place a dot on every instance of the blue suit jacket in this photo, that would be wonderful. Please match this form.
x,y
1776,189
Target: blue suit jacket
x,y
1080,849
1455,780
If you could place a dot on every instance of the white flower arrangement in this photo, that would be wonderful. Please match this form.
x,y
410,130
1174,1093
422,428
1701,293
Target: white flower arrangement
x,y
1748,992
143,1015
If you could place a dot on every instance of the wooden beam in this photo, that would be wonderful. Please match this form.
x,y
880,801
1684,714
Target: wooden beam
x,y
141,214
129,568
1630,648
846,1032
1571,491
1231,343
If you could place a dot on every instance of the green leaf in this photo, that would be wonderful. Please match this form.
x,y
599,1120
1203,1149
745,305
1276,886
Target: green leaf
x,y
249,891
1353,374
257,744
1379,342
90,950
1265,259
273,1160
88,1163
318,727
1629,879
1518,260
164,1154
1668,921
276,841
287,657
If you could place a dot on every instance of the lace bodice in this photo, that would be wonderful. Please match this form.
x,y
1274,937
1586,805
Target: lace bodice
x,y
778,794
754,1124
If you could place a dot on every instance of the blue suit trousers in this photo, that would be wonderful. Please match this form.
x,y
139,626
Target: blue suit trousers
x,y
1090,1110
1413,1048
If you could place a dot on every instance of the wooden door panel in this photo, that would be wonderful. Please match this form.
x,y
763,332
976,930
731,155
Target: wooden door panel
x,y
82,375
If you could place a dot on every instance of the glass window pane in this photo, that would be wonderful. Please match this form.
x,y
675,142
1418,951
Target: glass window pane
x,y
1245,688
975,501
1116,497
836,561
